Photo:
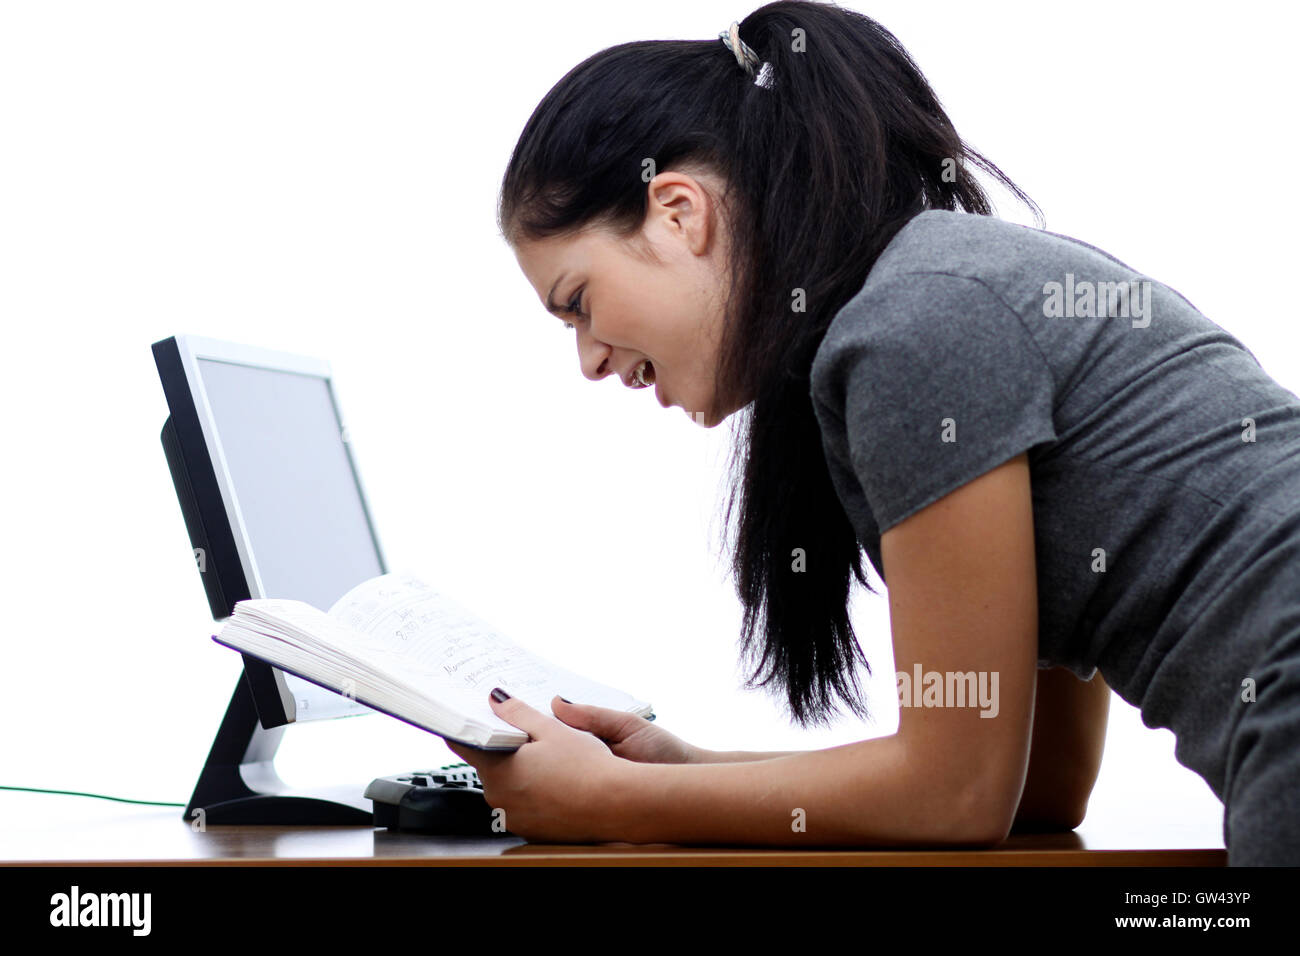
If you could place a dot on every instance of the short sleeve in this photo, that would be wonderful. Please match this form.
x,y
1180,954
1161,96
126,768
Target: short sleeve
x,y
937,382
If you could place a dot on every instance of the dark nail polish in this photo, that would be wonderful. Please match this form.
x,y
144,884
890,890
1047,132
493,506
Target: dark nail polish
x,y
499,695
566,700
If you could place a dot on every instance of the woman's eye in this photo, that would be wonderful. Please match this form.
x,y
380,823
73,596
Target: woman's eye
x,y
575,307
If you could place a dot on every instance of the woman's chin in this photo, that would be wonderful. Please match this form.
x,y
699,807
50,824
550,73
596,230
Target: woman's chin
x,y
703,419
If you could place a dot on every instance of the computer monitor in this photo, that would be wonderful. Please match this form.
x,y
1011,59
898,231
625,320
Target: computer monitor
x,y
270,492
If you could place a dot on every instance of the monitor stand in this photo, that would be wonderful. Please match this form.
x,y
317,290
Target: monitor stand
x,y
239,783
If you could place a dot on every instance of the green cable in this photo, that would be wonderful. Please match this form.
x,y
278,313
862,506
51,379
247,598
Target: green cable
x,y
100,796
150,803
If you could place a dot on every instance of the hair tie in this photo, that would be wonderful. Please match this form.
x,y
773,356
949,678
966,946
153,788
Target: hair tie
x,y
745,55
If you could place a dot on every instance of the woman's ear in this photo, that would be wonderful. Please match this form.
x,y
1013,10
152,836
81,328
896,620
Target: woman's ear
x,y
681,208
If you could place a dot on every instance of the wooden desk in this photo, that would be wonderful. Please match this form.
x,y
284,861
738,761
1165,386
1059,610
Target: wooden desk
x,y
63,830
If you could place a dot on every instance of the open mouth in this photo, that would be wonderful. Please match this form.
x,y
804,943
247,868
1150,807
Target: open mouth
x,y
644,374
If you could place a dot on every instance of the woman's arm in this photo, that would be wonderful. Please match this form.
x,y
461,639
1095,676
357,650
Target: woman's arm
x,y
1070,717
963,599
1069,735
740,756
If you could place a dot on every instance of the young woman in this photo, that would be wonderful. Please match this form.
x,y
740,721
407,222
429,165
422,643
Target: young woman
x,y
1069,478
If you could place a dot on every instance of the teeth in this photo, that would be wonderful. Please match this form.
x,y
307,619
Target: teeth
x,y
638,375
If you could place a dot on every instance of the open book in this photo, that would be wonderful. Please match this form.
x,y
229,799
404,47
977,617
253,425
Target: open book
x,y
400,647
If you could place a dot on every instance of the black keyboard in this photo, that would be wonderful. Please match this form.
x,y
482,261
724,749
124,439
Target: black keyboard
x,y
448,800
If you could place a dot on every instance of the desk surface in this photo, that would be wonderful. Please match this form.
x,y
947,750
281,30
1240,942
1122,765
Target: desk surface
x,y
51,828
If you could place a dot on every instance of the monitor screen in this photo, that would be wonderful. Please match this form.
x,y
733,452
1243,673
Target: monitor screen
x,y
299,502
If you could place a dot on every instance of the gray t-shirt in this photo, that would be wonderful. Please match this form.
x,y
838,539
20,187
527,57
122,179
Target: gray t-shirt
x,y
1165,463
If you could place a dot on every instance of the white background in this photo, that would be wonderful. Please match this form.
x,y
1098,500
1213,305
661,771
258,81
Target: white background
x,y
321,178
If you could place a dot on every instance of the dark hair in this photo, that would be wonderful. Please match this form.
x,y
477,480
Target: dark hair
x,y
841,145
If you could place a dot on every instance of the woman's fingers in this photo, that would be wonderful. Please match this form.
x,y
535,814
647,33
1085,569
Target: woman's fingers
x,y
601,722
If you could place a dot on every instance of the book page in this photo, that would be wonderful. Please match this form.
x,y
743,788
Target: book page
x,y
434,633
343,646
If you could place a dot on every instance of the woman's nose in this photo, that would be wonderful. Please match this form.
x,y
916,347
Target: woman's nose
x,y
593,358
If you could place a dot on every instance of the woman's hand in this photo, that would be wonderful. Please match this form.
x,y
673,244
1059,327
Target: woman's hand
x,y
562,786
627,735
